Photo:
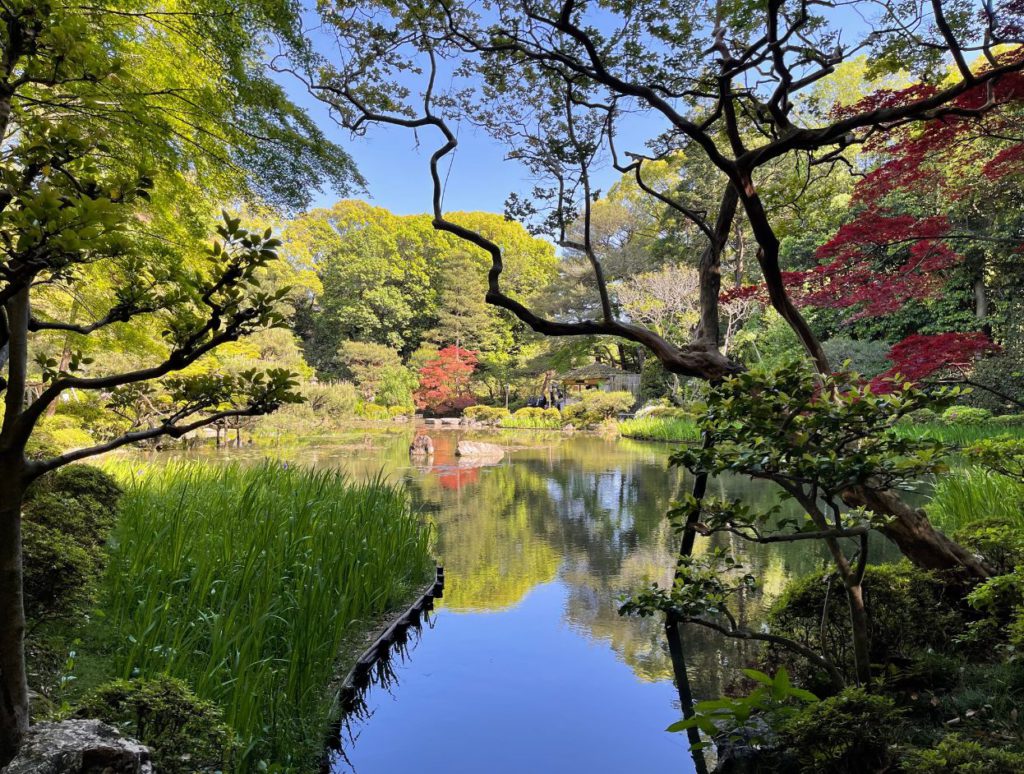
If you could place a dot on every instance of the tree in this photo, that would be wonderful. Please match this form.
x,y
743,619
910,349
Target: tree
x,y
368,365
444,381
100,134
727,88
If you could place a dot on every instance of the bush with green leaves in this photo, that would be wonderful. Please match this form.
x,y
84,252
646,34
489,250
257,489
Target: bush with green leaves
x,y
907,608
595,406
1000,601
534,419
825,441
955,754
999,541
489,415
68,515
966,415
774,700
865,356
849,733
1003,374
185,733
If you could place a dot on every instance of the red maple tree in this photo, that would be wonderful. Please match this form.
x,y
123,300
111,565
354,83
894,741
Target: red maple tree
x,y
444,381
886,257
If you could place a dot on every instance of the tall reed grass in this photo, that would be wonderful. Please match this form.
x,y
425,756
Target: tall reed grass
x,y
247,581
968,495
956,434
655,428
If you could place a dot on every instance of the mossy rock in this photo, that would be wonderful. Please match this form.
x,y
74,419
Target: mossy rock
x,y
186,733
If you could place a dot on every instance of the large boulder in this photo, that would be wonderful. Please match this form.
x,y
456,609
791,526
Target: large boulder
x,y
79,747
480,451
422,446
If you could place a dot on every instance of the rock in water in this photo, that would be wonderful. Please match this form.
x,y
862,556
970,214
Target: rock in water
x,y
79,747
421,446
488,451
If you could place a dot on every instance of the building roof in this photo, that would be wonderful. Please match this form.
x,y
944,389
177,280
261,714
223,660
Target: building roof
x,y
595,371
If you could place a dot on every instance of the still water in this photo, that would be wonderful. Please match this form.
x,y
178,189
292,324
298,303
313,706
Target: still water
x,y
526,665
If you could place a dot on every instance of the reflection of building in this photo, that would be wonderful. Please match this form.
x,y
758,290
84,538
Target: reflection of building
x,y
598,376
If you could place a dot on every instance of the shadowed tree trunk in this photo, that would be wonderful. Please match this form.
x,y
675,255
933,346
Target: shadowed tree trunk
x,y
13,679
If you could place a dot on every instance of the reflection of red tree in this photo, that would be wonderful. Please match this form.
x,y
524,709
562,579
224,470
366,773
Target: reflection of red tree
x,y
456,478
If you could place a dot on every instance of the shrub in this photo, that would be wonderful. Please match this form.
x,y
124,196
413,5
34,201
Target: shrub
x,y
1004,372
868,358
61,433
373,411
534,418
1001,601
486,414
595,406
906,606
68,516
966,415
1009,420
956,755
997,540
60,574
400,411
849,732
332,400
185,733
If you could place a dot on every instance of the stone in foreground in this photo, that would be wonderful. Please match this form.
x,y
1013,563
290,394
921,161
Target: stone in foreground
x,y
79,747
477,450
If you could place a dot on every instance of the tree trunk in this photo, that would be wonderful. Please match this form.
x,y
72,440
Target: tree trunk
x,y
913,533
980,298
13,675
860,627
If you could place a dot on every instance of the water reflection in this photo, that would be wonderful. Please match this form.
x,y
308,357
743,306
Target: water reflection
x,y
529,667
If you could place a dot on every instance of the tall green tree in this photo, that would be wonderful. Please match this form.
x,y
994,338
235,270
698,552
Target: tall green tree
x,y
120,124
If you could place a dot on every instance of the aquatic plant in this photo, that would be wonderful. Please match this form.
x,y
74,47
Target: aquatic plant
x,y
245,582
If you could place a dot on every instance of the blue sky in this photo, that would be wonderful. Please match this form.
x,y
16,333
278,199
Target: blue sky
x,y
398,176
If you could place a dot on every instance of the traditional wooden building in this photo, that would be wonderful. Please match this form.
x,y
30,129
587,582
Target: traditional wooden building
x,y
598,376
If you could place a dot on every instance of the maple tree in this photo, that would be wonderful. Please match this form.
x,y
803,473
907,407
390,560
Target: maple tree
x,y
444,381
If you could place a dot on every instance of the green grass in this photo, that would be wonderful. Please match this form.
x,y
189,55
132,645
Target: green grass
x,y
245,582
967,495
655,428
531,423
958,434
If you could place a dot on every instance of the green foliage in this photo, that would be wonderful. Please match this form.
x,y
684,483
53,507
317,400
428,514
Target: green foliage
x,y
848,733
785,426
1004,373
312,554
595,406
966,415
975,494
999,540
1004,455
534,419
864,356
907,608
955,754
60,573
185,733
775,699
395,387
490,415
702,587
68,515
1000,600
656,427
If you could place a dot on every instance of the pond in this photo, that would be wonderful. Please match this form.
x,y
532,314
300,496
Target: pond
x,y
526,664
